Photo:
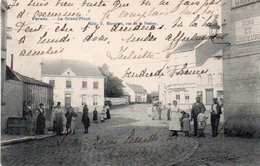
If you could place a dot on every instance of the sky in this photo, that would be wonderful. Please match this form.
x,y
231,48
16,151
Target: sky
x,y
96,52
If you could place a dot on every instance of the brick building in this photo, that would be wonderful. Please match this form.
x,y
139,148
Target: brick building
x,y
241,66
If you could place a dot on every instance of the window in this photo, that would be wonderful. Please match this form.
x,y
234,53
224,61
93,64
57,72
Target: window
x,y
67,100
187,97
95,98
84,84
95,85
68,84
84,99
209,96
178,97
52,83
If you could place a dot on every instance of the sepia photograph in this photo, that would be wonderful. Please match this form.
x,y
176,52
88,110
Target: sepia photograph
x,y
130,82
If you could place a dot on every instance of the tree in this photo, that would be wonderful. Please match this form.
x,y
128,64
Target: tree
x,y
113,85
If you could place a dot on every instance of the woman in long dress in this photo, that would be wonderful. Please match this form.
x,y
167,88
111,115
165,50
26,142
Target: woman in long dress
x,y
85,119
95,116
40,126
108,112
58,119
175,114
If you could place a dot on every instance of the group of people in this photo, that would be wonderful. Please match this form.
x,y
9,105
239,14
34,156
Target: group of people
x,y
28,116
156,110
181,120
64,122
105,114
71,118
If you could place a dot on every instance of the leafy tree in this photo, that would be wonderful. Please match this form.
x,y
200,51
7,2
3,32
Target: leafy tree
x,y
113,85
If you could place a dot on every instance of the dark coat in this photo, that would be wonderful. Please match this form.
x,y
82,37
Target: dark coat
x,y
85,109
218,107
68,115
40,126
95,115
108,113
197,108
85,119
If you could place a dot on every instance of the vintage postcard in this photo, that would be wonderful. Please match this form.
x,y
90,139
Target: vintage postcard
x,y
130,82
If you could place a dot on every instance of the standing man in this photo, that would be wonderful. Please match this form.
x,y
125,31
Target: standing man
x,y
197,108
215,116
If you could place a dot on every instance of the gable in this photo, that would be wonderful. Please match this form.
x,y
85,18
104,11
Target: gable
x,y
69,73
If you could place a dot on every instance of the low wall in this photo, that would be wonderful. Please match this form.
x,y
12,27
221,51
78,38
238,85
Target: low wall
x,y
117,101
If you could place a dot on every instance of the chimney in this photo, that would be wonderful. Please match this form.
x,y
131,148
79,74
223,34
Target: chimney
x,y
12,61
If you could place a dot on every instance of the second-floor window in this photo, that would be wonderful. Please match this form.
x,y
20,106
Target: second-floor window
x,y
178,97
95,85
68,84
84,84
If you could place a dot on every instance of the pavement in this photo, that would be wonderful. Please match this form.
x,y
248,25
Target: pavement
x,y
132,138
7,139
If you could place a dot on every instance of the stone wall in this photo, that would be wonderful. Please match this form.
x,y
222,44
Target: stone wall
x,y
241,67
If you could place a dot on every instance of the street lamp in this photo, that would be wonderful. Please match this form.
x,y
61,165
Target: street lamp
x,y
214,31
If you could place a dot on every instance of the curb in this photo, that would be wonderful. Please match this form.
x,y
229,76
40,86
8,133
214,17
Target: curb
x,y
28,139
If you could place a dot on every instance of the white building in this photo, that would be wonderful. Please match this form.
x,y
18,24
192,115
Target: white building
x,y
75,82
199,55
136,93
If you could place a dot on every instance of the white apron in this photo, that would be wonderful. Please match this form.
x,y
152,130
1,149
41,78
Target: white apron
x,y
175,114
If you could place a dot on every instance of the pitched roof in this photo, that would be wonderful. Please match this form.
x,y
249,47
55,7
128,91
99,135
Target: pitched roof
x,y
137,88
187,46
80,68
204,49
27,80
207,50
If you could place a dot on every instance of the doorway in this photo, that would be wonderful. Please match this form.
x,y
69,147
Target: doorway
x,y
67,100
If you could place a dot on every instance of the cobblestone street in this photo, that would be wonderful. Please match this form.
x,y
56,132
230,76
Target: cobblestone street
x,y
132,138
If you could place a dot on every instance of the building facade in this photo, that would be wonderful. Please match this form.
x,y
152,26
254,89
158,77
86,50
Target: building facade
x,y
4,8
241,21
136,93
196,55
75,83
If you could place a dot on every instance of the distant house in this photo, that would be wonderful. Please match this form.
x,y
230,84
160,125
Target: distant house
x,y
75,82
198,55
136,93
19,88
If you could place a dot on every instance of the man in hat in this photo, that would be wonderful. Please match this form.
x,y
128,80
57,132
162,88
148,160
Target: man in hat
x,y
215,116
197,108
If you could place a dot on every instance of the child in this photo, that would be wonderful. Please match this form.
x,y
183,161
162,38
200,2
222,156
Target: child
x,y
95,116
103,114
201,123
183,115
73,121
186,125
85,120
